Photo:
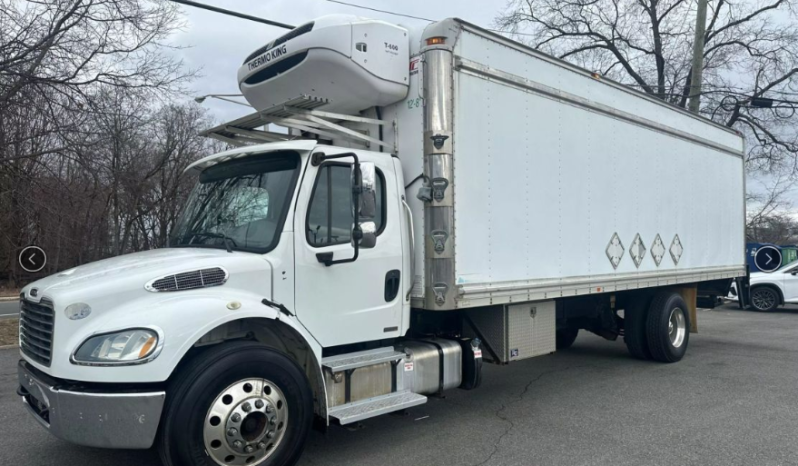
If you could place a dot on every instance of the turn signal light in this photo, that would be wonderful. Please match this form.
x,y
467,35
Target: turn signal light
x,y
436,40
145,350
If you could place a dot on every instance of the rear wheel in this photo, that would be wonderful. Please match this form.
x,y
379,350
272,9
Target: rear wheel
x,y
236,404
566,337
667,327
634,318
764,298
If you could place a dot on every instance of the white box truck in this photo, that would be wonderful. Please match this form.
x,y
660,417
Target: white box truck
x,y
442,196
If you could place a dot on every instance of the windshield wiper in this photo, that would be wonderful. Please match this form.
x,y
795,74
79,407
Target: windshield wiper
x,y
227,240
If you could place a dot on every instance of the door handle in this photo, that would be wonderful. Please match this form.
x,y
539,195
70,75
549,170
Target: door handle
x,y
392,281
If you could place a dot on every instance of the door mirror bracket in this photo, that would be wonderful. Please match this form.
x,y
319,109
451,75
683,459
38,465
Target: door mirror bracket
x,y
364,205
364,196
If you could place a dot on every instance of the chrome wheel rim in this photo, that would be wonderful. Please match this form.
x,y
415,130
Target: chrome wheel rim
x,y
763,299
245,423
677,327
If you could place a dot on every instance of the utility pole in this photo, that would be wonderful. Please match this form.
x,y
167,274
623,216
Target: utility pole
x,y
698,56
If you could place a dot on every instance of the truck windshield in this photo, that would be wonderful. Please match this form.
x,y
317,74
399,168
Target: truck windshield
x,y
240,204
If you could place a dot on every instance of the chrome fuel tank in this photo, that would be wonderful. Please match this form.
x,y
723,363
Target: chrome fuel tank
x,y
432,365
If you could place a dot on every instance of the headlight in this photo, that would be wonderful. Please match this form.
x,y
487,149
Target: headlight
x,y
134,346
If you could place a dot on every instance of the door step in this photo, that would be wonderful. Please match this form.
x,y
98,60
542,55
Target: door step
x,y
371,407
349,361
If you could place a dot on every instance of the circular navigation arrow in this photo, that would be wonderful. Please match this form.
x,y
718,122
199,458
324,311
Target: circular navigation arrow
x,y
768,258
32,259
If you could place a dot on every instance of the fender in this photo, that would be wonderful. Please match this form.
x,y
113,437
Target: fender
x,y
183,319
215,332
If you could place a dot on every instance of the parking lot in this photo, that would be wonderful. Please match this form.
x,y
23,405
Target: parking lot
x,y
731,401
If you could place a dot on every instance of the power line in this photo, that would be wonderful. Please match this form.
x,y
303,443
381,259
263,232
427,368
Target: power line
x,y
234,13
388,12
362,7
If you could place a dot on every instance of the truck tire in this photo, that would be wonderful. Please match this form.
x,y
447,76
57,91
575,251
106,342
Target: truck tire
x,y
566,337
764,298
667,327
236,403
634,323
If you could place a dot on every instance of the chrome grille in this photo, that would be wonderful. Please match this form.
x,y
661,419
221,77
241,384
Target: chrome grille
x,y
203,278
36,323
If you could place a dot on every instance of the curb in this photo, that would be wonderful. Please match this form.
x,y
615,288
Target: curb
x,y
8,298
9,347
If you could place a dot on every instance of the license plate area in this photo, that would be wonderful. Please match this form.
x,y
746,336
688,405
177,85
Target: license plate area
x,y
33,392
38,408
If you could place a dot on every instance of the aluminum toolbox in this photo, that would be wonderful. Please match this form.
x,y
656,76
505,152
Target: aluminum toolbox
x,y
516,331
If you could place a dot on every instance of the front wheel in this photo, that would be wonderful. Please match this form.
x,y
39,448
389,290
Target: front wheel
x,y
236,404
764,299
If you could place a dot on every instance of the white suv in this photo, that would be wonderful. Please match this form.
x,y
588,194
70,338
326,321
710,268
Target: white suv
x,y
770,290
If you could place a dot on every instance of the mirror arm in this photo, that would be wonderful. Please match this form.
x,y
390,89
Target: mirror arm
x,y
327,258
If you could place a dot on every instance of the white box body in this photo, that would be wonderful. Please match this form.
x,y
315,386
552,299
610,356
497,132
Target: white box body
x,y
551,163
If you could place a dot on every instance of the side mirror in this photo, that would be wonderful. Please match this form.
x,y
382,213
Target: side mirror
x,y
364,231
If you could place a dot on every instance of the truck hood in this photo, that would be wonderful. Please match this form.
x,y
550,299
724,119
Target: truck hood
x,y
117,299
129,273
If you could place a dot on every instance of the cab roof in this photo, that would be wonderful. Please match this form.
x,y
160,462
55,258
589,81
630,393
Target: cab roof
x,y
302,145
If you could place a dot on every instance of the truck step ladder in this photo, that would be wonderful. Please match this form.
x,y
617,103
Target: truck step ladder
x,y
364,409
344,365
349,361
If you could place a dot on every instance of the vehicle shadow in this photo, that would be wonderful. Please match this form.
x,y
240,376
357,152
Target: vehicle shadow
x,y
476,411
783,309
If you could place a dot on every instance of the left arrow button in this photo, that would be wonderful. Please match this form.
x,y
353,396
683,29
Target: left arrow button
x,y
32,259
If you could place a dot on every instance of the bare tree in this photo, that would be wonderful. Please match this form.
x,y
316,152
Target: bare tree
x,y
66,49
88,131
778,228
769,218
119,195
751,51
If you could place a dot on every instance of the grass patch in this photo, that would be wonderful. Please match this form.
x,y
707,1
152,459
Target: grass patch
x,y
9,332
8,291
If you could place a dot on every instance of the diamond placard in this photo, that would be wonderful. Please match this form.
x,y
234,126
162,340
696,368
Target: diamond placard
x,y
615,250
676,249
657,250
637,250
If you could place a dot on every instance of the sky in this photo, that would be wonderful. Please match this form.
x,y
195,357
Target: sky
x,y
217,44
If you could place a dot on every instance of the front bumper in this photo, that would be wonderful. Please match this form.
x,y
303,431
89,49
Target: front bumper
x,y
92,418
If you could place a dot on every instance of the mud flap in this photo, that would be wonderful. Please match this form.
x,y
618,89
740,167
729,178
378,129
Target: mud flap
x,y
690,297
743,286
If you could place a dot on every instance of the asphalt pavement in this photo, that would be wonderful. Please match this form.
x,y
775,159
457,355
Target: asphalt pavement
x,y
730,401
9,309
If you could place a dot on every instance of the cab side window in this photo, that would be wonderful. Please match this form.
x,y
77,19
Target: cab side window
x,y
330,215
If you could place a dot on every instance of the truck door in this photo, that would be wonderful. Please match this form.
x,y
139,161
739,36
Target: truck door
x,y
355,301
